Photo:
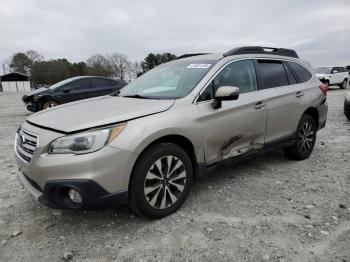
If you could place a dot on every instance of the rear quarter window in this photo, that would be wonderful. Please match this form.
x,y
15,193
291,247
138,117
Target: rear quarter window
x,y
303,74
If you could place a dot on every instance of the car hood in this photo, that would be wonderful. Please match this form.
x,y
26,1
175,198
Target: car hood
x,y
37,91
96,112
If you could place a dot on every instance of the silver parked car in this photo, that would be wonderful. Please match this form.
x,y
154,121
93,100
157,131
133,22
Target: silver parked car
x,y
144,145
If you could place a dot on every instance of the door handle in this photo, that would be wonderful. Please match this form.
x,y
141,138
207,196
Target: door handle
x,y
299,94
259,105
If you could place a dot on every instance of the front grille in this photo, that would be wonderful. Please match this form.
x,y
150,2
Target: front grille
x,y
26,144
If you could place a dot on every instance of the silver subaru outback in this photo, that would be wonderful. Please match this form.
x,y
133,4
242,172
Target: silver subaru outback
x,y
144,145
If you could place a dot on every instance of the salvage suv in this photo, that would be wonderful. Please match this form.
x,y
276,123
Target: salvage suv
x,y
144,145
333,76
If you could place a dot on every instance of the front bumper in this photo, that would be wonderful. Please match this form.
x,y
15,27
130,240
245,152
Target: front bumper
x,y
55,193
100,176
32,107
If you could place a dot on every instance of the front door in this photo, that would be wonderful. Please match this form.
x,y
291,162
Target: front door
x,y
76,90
238,126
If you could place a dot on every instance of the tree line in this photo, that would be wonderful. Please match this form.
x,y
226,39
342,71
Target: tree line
x,y
113,65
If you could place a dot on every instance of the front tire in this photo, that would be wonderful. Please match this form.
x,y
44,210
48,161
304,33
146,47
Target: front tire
x,y
49,104
305,139
344,84
160,181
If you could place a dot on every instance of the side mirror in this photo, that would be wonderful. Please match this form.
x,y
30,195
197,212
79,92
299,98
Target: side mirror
x,y
335,71
66,90
225,93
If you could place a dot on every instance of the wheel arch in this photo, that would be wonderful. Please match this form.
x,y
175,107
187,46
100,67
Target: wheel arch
x,y
176,139
313,112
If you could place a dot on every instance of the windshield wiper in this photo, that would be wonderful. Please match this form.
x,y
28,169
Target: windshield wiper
x,y
137,96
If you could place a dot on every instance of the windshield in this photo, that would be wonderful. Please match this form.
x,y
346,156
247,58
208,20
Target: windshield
x,y
60,83
323,70
169,81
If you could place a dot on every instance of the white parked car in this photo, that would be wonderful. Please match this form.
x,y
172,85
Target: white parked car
x,y
333,76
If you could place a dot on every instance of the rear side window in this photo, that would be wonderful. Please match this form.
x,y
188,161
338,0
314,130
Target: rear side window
x,y
290,76
114,83
100,82
300,71
272,73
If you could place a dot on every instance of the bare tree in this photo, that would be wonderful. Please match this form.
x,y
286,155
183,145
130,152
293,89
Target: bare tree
x,y
120,65
135,70
34,56
98,65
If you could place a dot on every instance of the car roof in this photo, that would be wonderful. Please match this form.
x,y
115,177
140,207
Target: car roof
x,y
245,51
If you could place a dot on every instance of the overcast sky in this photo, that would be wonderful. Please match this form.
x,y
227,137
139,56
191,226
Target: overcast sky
x,y
76,29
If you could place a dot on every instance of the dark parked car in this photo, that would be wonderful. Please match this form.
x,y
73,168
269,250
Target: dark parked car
x,y
347,106
69,90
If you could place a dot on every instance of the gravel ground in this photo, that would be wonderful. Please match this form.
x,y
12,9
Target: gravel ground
x,y
266,209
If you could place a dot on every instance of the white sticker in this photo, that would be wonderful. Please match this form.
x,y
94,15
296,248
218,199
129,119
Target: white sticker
x,y
201,66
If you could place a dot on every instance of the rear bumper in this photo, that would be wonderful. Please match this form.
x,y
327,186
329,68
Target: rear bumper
x,y
322,115
55,193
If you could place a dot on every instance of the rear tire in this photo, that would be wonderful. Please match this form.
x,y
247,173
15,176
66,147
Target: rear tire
x,y
305,139
49,104
344,84
160,181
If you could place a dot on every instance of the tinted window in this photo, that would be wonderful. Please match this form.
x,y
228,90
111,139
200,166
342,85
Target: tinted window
x,y
113,82
100,82
300,71
272,73
291,78
240,74
78,84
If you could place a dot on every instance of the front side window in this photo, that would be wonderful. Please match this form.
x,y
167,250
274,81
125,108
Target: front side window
x,y
169,81
300,71
240,74
272,73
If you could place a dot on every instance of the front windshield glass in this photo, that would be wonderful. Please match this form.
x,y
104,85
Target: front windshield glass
x,y
169,81
323,70
60,83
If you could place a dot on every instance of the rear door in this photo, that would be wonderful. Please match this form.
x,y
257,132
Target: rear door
x,y
102,86
283,95
238,126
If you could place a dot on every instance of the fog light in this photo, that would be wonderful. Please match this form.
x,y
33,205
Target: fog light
x,y
75,196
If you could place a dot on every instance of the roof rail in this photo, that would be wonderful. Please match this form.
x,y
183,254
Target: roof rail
x,y
189,55
262,50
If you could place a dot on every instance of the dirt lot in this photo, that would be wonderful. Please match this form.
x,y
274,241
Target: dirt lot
x,y
265,209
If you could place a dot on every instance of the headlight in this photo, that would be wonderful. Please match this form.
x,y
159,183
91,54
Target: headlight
x,y
36,98
86,142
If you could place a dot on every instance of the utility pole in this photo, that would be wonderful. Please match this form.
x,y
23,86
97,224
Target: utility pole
x,y
3,68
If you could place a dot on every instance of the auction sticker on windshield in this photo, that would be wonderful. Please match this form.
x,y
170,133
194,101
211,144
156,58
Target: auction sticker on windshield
x,y
199,66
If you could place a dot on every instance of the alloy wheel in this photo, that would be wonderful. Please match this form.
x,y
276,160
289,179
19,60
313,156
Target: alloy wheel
x,y
165,182
50,104
345,83
306,137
